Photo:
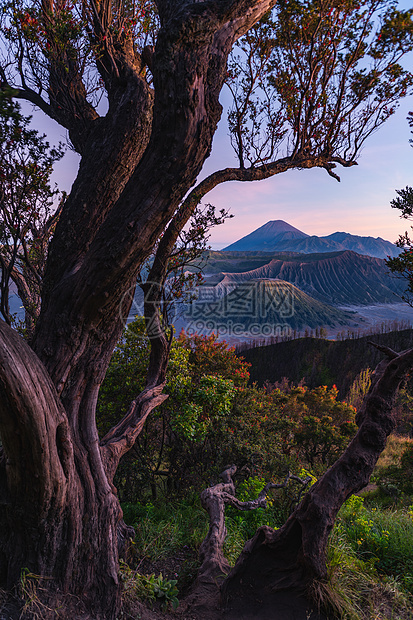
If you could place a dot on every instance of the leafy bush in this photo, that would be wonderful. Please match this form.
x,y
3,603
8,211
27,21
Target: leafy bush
x,y
212,418
321,425
384,537
149,587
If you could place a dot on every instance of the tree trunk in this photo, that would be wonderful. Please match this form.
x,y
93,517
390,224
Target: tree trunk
x,y
294,557
58,510
60,516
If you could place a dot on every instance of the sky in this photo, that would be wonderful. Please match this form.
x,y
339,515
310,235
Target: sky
x,y
310,200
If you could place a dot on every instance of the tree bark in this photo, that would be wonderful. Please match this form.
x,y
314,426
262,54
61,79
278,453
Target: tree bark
x,y
58,511
294,556
214,565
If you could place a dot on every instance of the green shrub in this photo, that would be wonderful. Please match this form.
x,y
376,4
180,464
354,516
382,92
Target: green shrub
x,y
149,587
383,537
212,418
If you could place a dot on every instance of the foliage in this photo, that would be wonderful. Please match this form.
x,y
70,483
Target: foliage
x,y
403,409
354,590
311,78
361,585
321,426
178,442
164,527
248,521
402,265
62,56
280,504
359,388
317,78
212,418
125,377
209,356
396,445
384,537
397,477
149,587
168,536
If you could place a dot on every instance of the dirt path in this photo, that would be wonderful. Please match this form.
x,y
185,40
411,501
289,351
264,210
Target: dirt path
x,y
206,606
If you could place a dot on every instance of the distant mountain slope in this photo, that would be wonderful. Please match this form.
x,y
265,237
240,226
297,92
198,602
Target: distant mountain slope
x,y
271,302
278,236
342,278
267,237
322,362
364,245
310,245
213,261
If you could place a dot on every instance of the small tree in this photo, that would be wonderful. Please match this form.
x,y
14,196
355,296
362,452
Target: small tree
x,y
28,210
402,265
179,445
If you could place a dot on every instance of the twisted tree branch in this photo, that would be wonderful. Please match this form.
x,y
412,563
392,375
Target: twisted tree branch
x,y
214,565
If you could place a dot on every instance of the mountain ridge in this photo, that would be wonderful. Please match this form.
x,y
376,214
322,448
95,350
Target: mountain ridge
x,y
342,278
278,235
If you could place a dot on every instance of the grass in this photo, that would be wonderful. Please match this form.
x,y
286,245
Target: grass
x,y
370,555
383,537
349,583
371,563
168,536
164,529
395,447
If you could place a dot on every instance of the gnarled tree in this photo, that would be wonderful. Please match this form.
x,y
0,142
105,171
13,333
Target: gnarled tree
x,y
162,66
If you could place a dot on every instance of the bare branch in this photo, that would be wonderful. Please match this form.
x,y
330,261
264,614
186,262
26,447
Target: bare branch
x,y
265,171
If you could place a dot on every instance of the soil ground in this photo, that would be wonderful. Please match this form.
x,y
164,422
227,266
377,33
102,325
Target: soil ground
x,y
207,606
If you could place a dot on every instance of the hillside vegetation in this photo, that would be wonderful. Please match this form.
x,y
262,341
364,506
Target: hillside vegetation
x,y
213,417
322,362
